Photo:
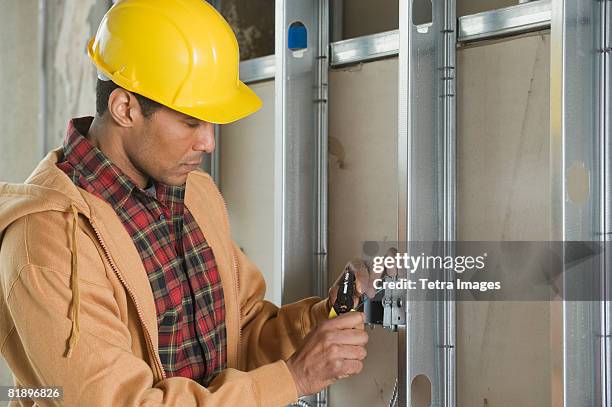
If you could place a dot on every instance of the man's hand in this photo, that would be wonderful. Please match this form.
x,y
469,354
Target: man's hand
x,y
335,349
363,283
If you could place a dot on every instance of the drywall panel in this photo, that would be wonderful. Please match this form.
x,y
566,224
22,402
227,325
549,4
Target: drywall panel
x,y
502,120
20,64
247,183
70,76
504,349
363,201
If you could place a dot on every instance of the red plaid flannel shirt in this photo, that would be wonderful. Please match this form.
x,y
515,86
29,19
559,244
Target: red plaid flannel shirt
x,y
179,263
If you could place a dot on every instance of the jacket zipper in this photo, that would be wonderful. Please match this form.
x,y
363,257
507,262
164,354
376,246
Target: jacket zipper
x,y
235,269
158,364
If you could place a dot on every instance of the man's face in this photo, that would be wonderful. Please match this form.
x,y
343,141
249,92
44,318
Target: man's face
x,y
168,145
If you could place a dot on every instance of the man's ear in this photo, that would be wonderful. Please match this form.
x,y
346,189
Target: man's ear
x,y
124,108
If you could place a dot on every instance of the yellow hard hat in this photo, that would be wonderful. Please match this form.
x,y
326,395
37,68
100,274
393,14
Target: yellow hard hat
x,y
180,53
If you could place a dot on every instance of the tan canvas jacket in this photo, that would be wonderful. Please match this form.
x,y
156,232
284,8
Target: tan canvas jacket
x,y
77,310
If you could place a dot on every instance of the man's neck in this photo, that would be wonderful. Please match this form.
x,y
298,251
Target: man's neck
x,y
109,140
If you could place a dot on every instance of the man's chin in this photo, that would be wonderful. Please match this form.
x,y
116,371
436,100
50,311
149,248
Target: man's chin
x,y
174,181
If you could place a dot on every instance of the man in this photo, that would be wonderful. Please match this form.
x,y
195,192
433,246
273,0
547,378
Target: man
x,y
120,280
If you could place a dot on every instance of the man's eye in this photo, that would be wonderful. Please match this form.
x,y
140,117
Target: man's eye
x,y
193,125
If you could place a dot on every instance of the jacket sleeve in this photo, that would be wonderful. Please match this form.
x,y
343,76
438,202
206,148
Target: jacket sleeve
x,y
270,333
103,370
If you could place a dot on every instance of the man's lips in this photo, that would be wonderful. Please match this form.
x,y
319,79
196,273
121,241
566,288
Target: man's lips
x,y
196,162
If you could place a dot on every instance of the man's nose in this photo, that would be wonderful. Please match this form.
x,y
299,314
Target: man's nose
x,y
205,138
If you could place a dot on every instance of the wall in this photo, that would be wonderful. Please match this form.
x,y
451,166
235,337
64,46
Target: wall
x,y
504,349
363,201
247,184
253,24
362,185
20,145
70,77
502,195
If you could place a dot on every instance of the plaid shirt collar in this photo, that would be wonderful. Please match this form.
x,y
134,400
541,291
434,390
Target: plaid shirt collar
x,y
99,176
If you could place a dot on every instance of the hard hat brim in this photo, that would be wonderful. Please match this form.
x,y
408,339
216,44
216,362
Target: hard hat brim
x,y
239,104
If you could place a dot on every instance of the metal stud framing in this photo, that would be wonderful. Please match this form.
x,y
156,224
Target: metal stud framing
x,y
301,121
300,194
321,103
605,139
581,60
426,144
580,143
513,20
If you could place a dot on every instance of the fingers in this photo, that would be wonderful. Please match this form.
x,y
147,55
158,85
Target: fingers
x,y
347,367
353,367
334,349
354,337
348,352
346,321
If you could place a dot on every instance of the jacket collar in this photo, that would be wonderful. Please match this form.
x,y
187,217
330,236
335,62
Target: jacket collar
x,y
56,183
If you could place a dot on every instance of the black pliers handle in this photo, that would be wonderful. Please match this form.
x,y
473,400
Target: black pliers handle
x,y
346,292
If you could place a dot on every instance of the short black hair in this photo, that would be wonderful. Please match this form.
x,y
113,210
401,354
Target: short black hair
x,y
105,88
